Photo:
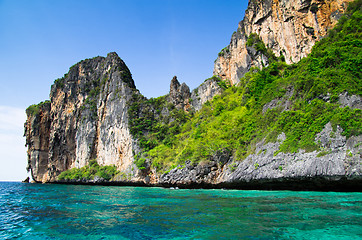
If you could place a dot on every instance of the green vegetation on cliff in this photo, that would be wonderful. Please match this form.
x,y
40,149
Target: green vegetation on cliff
x,y
297,100
255,42
89,172
154,121
35,108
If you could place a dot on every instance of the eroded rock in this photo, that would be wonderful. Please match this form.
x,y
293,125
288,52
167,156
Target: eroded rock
x,y
288,27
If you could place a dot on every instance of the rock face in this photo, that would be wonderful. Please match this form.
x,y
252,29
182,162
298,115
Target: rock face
x,y
182,98
179,94
353,101
339,161
205,92
37,134
288,27
86,119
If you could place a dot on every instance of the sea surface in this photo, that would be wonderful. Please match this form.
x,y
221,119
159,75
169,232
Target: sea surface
x,y
45,211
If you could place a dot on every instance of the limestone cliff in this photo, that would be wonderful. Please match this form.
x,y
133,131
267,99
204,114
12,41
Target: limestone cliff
x,y
85,119
96,112
287,27
205,92
88,117
179,94
37,132
182,98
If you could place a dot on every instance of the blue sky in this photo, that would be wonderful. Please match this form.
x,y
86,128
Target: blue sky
x,y
41,39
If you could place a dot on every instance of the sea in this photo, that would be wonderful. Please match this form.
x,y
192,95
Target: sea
x,y
52,211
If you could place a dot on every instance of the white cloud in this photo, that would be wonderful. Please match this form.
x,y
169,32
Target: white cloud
x,y
11,118
13,158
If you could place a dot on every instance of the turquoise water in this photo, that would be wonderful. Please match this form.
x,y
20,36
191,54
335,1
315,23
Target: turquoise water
x,y
42,211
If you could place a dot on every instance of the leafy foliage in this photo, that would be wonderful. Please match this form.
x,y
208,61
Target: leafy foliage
x,y
257,43
307,92
140,163
35,108
89,171
223,51
149,125
59,82
223,84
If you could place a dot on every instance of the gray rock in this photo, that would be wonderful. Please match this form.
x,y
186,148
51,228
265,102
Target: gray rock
x,y
353,101
205,92
179,94
339,158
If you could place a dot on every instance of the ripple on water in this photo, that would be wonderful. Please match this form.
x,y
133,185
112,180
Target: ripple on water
x,y
40,211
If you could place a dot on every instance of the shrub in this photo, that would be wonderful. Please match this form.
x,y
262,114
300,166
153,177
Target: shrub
x,y
89,171
140,163
223,51
35,108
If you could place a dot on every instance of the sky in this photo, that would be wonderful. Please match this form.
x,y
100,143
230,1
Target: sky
x,y
158,39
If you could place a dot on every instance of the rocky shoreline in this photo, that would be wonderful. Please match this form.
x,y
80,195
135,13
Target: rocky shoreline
x,y
321,183
338,170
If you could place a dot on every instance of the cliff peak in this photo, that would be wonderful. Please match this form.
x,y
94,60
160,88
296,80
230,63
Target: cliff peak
x,y
179,94
112,55
90,71
67,133
286,29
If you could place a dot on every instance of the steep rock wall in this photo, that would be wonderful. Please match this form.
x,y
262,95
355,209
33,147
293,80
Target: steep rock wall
x,y
37,131
179,94
288,27
87,119
182,98
205,92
